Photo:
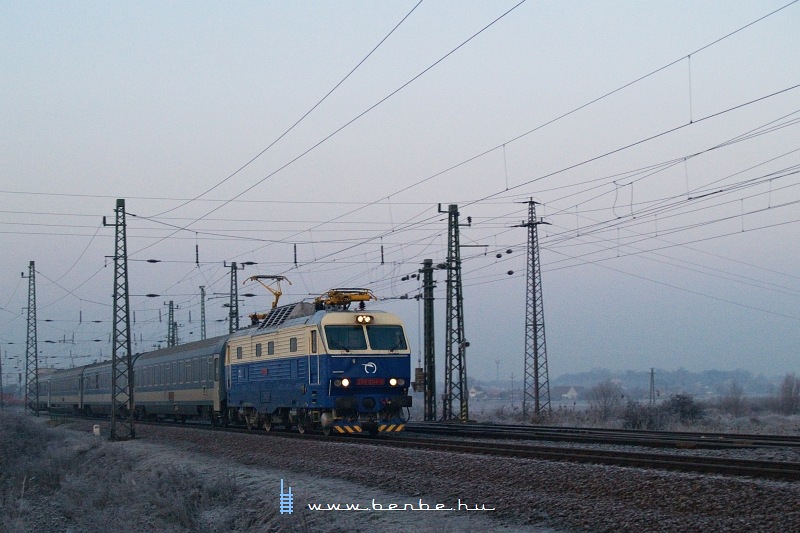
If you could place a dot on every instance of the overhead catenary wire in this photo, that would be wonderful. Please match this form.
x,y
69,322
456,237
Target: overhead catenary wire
x,y
326,242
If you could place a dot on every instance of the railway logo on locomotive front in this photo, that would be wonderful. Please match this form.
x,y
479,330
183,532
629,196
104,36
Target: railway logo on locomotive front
x,y
370,368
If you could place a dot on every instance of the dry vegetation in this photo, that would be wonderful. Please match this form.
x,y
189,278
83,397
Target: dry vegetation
x,y
54,481
732,412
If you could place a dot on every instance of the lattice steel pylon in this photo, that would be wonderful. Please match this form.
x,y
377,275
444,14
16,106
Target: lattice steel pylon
x,y
31,349
122,402
455,364
536,388
429,386
233,315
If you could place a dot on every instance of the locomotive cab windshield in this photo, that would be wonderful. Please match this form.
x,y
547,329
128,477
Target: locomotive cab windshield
x,y
376,338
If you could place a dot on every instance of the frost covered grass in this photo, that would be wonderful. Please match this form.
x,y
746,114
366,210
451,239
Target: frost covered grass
x,y
56,480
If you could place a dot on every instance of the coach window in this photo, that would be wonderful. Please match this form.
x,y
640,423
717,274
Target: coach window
x,y
271,348
239,352
313,341
258,350
293,344
196,370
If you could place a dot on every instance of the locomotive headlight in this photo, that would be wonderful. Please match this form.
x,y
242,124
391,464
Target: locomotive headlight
x,y
363,319
345,382
393,382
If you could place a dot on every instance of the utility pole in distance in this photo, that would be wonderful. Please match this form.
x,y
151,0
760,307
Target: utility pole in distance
x,y
202,312
2,405
31,349
652,386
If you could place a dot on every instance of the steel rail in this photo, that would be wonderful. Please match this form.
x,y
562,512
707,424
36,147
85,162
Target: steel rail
x,y
653,439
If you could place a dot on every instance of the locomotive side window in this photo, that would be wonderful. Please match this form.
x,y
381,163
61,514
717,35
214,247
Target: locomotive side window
x,y
239,352
258,349
293,344
346,338
386,338
271,348
313,341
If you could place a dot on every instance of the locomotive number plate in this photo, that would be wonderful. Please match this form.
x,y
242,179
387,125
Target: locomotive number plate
x,y
370,381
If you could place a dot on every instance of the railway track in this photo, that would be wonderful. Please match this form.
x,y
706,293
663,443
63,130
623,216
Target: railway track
x,y
644,438
761,469
780,470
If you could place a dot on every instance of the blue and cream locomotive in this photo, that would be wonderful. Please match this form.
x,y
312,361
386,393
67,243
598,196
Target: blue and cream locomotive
x,y
321,366
311,366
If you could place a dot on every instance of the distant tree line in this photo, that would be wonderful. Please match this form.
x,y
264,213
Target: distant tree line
x,y
607,401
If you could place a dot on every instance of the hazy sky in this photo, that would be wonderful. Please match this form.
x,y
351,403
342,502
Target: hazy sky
x,y
664,150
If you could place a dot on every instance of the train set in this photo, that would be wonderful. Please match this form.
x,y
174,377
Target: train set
x,y
307,365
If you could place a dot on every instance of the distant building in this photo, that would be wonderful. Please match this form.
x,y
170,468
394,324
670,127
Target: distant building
x,y
567,393
571,394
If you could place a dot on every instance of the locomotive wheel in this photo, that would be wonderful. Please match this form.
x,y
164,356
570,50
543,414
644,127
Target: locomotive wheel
x,y
301,428
327,431
268,424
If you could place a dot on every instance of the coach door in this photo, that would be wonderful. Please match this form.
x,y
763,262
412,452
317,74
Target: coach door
x,y
214,376
228,368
